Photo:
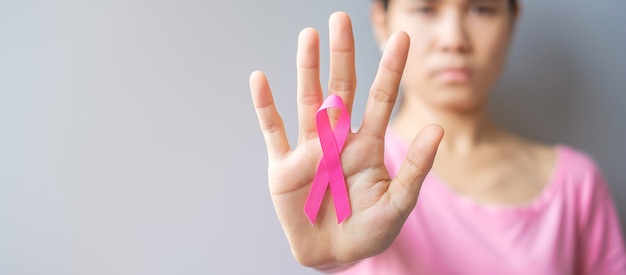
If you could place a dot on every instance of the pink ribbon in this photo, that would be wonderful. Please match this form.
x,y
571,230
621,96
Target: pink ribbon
x,y
329,170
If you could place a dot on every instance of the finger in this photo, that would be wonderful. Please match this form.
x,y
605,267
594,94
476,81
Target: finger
x,y
404,189
384,90
309,89
342,80
270,121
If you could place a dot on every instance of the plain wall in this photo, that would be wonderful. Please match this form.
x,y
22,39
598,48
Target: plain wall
x,y
129,145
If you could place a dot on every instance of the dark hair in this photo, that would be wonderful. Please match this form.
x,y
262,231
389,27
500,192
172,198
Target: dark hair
x,y
512,4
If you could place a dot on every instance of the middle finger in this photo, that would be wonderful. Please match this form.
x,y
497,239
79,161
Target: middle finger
x,y
342,80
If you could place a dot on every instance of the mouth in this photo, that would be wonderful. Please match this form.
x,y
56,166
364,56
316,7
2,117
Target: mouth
x,y
453,74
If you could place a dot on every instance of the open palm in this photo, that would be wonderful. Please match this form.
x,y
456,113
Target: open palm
x,y
380,205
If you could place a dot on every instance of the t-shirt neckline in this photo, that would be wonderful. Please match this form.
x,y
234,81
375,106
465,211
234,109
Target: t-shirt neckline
x,y
541,199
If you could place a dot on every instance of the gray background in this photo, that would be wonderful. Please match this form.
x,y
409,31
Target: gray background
x,y
128,142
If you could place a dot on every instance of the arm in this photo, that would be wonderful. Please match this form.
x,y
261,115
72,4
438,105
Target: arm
x,y
601,244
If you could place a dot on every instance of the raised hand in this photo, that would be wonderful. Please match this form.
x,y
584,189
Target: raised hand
x,y
380,205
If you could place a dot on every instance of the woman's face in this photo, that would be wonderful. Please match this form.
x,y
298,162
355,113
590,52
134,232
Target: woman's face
x,y
457,51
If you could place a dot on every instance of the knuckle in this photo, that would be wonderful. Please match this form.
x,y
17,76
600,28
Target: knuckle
x,y
416,167
272,126
309,99
383,96
341,85
416,163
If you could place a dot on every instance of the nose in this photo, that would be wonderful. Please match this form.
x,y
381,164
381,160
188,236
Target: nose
x,y
453,36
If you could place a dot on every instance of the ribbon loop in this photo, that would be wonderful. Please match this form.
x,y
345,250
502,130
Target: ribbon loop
x,y
329,170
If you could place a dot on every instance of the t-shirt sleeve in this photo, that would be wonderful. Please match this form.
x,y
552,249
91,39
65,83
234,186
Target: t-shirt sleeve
x,y
601,244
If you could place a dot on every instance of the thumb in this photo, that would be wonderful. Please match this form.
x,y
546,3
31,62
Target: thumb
x,y
404,189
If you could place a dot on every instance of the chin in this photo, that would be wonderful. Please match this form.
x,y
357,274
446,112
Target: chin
x,y
460,98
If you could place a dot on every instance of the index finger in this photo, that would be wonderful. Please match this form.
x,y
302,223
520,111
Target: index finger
x,y
270,121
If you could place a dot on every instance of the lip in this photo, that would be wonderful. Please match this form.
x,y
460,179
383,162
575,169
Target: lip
x,y
454,74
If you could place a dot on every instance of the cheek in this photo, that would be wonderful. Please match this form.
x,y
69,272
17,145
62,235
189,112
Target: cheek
x,y
491,48
490,51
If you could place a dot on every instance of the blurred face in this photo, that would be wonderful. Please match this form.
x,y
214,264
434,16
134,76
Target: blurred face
x,y
458,47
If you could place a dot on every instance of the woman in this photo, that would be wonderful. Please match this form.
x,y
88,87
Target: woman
x,y
490,202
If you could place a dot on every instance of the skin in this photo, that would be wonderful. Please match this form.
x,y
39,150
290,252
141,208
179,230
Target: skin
x,y
442,33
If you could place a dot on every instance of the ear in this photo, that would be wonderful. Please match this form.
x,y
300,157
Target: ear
x,y
378,18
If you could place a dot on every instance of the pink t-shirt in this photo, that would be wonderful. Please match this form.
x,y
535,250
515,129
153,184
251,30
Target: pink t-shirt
x,y
570,228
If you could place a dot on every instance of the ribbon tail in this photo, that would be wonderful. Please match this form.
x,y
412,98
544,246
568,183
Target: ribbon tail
x,y
316,194
340,197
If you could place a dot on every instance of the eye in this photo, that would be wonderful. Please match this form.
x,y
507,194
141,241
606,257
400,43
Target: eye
x,y
483,10
425,10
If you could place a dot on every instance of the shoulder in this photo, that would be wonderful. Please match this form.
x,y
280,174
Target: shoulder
x,y
576,158
563,162
571,171
578,165
556,159
581,175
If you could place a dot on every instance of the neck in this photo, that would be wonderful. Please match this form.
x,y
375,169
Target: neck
x,y
465,130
